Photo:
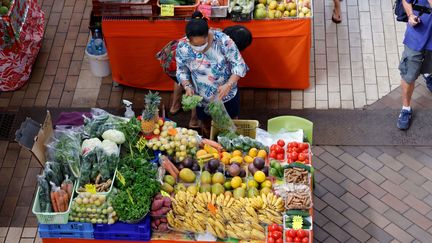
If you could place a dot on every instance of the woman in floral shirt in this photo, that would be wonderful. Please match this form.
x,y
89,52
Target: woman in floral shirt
x,y
209,64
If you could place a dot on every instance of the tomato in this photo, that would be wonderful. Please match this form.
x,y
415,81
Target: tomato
x,y
279,240
272,154
281,142
273,227
288,239
296,239
305,240
280,157
301,156
270,240
306,161
276,235
301,234
289,150
273,147
292,233
280,229
279,149
294,156
303,146
306,233
295,144
290,160
296,150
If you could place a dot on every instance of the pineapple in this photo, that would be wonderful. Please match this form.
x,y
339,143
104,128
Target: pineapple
x,y
153,101
147,122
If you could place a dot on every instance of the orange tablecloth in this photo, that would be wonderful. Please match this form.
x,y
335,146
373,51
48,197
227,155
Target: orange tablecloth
x,y
278,57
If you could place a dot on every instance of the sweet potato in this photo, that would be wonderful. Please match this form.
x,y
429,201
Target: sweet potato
x,y
164,220
158,196
157,222
164,210
153,225
163,227
157,204
166,202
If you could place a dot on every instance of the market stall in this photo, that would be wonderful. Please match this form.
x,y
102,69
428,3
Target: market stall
x,y
113,179
21,32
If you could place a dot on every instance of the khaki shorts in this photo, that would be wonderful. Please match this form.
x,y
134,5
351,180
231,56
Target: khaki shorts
x,y
414,63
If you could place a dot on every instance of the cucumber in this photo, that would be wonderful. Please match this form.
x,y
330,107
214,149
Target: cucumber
x,y
297,212
306,222
300,165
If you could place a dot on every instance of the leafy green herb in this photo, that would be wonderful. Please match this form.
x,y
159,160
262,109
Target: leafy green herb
x,y
190,102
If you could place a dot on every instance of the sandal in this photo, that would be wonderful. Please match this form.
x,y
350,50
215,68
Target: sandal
x,y
175,112
336,20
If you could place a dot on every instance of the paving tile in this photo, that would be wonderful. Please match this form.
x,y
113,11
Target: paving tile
x,y
319,191
409,161
335,202
14,235
416,204
26,196
356,231
417,191
15,187
3,231
391,175
333,187
395,203
69,46
394,189
418,218
19,218
374,203
56,91
398,219
30,178
412,175
351,174
331,160
85,97
320,234
8,206
351,161
398,233
390,161
75,68
5,176
336,232
377,233
332,173
353,202
372,175
42,97
356,217
420,234
320,219
353,188
26,240
318,204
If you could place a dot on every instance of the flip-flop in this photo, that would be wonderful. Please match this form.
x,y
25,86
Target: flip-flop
x,y
176,112
336,21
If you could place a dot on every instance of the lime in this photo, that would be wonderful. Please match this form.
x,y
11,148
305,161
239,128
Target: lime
x,y
252,184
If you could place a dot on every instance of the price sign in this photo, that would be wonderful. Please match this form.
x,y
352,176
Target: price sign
x,y
205,10
130,196
297,222
90,188
121,178
167,10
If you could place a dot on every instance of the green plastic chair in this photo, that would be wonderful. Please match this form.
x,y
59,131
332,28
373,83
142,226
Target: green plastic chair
x,y
291,123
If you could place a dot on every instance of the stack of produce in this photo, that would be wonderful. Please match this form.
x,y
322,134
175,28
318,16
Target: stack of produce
x,y
92,208
160,207
231,141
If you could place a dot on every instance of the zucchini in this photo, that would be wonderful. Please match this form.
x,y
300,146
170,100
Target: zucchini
x,y
295,212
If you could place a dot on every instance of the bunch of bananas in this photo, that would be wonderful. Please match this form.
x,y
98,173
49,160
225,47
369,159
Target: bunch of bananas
x,y
225,216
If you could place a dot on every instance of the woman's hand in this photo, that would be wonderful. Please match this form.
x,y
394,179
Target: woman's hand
x,y
223,90
189,91
413,20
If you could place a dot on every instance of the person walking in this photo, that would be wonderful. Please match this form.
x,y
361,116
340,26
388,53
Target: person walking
x,y
337,12
416,57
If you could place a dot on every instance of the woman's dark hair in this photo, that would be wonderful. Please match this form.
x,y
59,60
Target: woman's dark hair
x,y
241,36
197,26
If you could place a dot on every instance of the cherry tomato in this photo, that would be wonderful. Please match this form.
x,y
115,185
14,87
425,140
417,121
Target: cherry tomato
x,y
294,156
301,233
276,235
281,142
279,149
273,227
296,239
272,154
301,156
270,240
292,233
280,157
295,144
288,238
305,240
306,161
279,240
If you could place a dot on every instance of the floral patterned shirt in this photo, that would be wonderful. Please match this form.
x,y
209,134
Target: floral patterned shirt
x,y
212,69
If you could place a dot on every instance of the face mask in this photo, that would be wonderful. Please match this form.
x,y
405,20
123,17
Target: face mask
x,y
200,48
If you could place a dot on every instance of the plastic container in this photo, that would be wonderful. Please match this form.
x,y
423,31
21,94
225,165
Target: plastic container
x,y
244,127
220,11
51,218
69,230
99,64
101,193
123,231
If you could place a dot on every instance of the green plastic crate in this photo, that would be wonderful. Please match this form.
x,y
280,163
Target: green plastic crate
x,y
51,218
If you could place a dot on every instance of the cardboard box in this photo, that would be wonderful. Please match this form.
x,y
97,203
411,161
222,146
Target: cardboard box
x,y
33,136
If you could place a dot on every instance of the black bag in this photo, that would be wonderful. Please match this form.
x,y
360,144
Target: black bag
x,y
399,11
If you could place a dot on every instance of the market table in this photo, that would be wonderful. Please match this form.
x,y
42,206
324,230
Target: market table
x,y
278,57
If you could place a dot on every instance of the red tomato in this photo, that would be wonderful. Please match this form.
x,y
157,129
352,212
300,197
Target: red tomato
x,y
290,160
272,154
280,157
279,240
292,233
295,144
281,142
273,147
305,240
289,150
303,146
296,239
288,239
306,233
301,156
276,235
301,234
294,156
280,229
296,150
273,227
279,149
270,240
306,161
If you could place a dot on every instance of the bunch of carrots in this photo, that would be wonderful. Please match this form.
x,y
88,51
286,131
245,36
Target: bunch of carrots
x,y
169,166
60,196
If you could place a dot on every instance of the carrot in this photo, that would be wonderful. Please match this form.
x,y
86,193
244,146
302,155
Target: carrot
x,y
66,201
54,201
62,199
69,189
169,166
212,143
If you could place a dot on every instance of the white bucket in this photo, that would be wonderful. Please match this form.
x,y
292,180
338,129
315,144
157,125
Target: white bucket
x,y
99,64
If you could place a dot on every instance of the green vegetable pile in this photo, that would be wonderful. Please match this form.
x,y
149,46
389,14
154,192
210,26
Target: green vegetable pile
x,y
178,2
190,102
220,117
231,141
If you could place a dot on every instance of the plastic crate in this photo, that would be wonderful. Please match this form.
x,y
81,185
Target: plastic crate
x,y
241,17
69,230
123,231
122,8
220,11
183,10
244,127
51,218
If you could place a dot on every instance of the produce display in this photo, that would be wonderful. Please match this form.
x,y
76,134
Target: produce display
x,y
191,102
178,2
177,180
272,9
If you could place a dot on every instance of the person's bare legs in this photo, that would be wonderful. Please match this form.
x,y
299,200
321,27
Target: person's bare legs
x,y
407,91
176,100
194,122
337,13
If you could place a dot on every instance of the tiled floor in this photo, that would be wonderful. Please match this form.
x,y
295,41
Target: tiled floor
x,y
363,194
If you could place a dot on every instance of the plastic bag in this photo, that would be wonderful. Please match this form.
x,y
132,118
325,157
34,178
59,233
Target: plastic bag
x,y
59,199
107,163
100,122
44,194
87,167
53,172
221,119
